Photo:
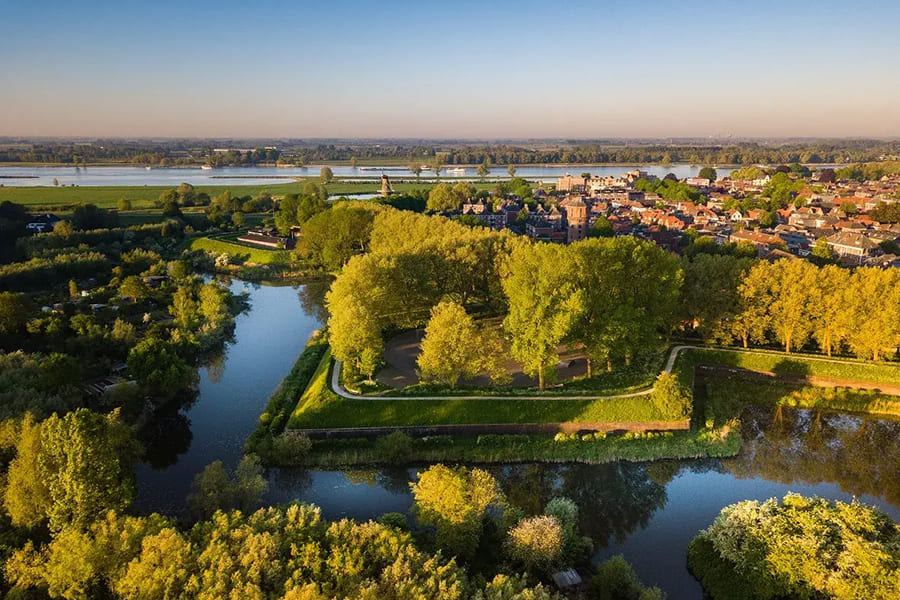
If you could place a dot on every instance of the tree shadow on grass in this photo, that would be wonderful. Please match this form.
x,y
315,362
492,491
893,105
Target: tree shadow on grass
x,y
792,368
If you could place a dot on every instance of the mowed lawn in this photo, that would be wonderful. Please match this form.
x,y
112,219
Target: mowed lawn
x,y
798,365
241,252
319,407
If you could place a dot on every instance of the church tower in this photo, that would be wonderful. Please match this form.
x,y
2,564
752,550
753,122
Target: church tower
x,y
577,220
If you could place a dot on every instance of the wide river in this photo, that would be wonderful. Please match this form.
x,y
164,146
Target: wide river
x,y
646,511
140,176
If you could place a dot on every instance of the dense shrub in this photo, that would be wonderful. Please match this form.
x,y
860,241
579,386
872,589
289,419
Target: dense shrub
x,y
803,547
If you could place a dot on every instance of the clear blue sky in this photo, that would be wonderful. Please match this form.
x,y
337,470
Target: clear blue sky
x,y
454,69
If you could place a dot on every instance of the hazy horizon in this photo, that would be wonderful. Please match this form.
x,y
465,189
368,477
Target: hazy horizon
x,y
523,70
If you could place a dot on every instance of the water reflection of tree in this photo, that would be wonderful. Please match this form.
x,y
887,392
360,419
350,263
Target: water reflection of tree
x,y
165,437
613,499
312,297
861,455
215,365
290,479
396,480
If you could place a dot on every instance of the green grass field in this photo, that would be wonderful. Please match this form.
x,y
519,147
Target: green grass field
x,y
724,398
144,196
319,407
798,365
241,252
140,196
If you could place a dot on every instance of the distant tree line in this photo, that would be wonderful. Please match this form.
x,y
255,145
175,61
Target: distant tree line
x,y
181,152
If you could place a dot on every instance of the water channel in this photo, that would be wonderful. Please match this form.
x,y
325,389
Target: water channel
x,y
646,511
173,176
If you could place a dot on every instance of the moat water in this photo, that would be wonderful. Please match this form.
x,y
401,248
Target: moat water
x,y
646,511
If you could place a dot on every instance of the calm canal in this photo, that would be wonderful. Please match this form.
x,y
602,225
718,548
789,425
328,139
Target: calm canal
x,y
646,511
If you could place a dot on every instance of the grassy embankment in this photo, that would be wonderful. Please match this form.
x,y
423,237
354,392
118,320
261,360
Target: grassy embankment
x,y
721,396
720,400
241,252
320,407
278,410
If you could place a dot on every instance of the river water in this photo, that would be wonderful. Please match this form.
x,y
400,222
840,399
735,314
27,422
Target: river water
x,y
646,511
140,176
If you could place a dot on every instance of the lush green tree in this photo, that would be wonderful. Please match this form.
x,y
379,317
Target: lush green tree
x,y
801,548
511,170
250,482
831,304
326,175
629,293
710,298
27,497
332,237
791,311
454,500
602,227
437,163
454,348
505,587
63,229
86,461
89,216
484,169
444,198
356,321
671,399
708,173
83,563
157,367
415,168
752,319
213,305
309,206
161,570
217,489
124,204
544,302
133,287
615,579
464,190
286,217
212,490
822,253
536,543
38,384
184,307
282,552
876,320
15,310
886,212
123,331
179,270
